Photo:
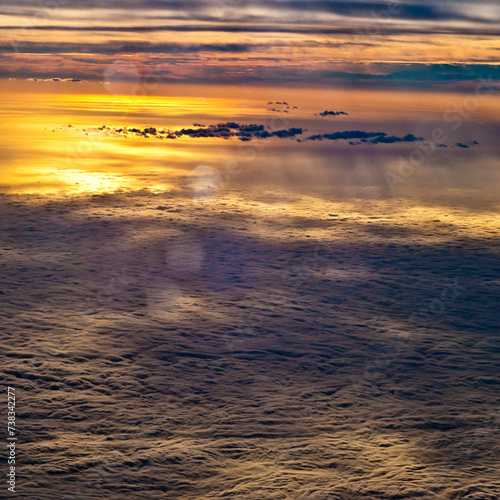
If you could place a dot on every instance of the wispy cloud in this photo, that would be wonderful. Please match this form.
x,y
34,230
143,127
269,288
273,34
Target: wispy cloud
x,y
355,43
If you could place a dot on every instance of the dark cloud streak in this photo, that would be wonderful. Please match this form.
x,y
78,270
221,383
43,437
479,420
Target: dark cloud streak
x,y
250,132
123,47
333,113
274,28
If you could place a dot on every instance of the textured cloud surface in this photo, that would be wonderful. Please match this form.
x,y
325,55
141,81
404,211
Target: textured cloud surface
x,y
338,350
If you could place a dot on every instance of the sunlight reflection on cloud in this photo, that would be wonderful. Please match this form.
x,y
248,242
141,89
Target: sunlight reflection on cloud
x,y
205,183
118,71
166,301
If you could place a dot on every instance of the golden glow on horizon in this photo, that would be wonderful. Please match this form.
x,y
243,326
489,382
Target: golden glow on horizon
x,y
42,154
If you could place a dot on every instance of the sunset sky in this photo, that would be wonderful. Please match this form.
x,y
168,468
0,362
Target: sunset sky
x,y
172,64
250,248
414,43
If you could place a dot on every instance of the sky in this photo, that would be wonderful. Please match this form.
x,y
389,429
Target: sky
x,y
411,44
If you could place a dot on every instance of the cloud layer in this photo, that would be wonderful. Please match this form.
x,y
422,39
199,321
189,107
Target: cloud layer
x,y
297,42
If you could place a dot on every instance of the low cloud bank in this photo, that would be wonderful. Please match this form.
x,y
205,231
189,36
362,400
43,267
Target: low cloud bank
x,y
249,132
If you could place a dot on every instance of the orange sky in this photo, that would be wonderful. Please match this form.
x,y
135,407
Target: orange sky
x,y
290,43
41,153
